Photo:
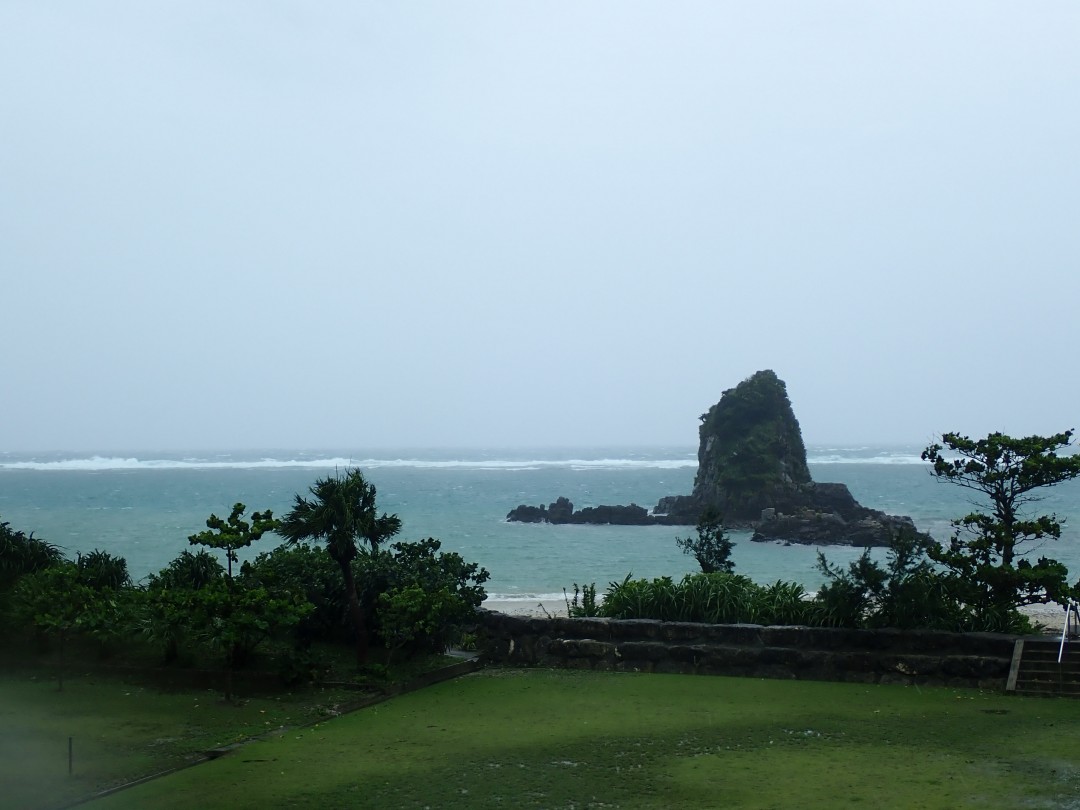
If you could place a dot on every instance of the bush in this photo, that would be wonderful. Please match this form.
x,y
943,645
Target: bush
x,y
439,589
311,571
583,605
22,553
100,570
717,598
189,571
908,592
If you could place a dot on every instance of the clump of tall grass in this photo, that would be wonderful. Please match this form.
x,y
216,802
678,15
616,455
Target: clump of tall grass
x,y
717,598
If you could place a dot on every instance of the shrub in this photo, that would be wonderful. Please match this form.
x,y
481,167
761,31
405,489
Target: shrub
x,y
712,547
438,588
717,598
584,604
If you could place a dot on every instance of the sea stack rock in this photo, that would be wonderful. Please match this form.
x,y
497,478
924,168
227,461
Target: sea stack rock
x,y
752,468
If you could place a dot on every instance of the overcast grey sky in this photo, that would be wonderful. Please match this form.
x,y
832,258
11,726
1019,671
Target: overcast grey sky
x,y
343,224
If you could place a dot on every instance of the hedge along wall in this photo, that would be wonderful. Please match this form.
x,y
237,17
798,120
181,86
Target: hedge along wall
x,y
924,657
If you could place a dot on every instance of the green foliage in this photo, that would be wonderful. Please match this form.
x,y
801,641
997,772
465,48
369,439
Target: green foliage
x,y
755,428
908,592
785,603
165,620
236,620
342,514
717,598
53,599
454,588
984,556
57,604
234,532
308,570
22,553
192,605
188,571
409,613
101,570
584,604
453,591
712,547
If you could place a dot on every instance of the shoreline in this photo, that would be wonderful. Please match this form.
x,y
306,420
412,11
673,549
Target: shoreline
x,y
1050,616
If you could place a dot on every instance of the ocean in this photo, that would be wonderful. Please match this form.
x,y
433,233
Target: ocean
x,y
144,506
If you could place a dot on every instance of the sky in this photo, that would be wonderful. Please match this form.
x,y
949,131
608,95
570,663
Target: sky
x,y
377,224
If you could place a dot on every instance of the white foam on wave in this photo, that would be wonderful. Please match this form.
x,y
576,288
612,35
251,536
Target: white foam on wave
x,y
106,463
884,458
101,463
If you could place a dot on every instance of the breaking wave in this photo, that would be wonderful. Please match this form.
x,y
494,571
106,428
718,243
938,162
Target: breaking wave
x,y
107,463
435,460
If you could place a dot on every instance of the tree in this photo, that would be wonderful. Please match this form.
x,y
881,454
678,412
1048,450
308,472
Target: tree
x,y
985,554
188,572
54,600
234,532
342,514
234,617
100,569
417,579
22,553
712,547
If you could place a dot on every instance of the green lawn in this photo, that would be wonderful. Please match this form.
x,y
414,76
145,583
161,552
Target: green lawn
x,y
508,738
121,731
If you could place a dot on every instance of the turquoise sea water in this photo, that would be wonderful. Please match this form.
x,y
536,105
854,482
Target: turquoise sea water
x,y
143,506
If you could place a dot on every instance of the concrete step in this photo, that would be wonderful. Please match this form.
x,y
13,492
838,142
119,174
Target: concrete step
x,y
1035,669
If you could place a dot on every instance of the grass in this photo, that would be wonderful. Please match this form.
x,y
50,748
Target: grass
x,y
511,738
122,730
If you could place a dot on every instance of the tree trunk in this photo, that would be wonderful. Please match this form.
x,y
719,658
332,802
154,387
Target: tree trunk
x,y
359,623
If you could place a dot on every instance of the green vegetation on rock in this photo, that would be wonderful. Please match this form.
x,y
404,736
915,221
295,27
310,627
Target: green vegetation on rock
x,y
750,439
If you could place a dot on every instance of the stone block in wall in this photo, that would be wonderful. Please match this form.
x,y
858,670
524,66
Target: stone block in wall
x,y
635,629
732,659
592,627
731,634
854,661
578,663
783,636
910,665
692,654
641,651
581,648
682,632
975,667
771,657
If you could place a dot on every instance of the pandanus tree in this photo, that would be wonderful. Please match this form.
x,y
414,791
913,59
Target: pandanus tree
x,y
342,514
22,553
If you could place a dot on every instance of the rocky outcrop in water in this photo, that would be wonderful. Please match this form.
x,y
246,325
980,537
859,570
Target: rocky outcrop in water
x,y
562,511
752,469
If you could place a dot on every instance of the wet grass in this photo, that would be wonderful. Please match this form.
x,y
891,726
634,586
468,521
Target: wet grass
x,y
122,730
511,738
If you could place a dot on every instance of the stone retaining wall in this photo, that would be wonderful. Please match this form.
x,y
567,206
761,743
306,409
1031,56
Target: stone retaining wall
x,y
813,653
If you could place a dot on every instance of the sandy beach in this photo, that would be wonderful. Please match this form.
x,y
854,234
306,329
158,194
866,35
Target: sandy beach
x,y
520,608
